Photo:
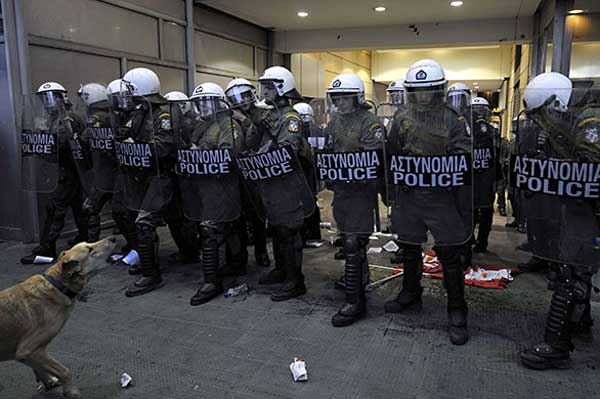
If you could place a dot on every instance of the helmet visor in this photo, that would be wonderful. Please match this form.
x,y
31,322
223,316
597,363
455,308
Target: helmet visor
x,y
240,96
343,103
267,90
460,99
206,106
52,99
396,97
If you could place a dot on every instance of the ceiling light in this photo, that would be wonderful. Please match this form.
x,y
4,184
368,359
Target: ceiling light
x,y
475,84
572,12
380,9
302,14
456,3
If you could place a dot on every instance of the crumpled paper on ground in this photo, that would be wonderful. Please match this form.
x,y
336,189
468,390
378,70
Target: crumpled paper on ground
x,y
298,369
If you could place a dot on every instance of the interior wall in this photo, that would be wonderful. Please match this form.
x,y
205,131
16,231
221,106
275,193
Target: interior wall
x,y
315,71
519,78
75,41
465,63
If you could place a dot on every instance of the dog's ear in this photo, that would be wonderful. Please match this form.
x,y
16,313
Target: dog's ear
x,y
71,266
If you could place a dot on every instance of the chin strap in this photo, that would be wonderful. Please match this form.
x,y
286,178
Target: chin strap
x,y
61,287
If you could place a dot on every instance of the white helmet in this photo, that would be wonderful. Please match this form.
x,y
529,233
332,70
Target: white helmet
x,y
480,101
176,96
550,88
240,91
51,86
142,82
396,85
348,83
92,93
51,94
282,80
208,89
395,92
306,112
425,73
115,87
459,96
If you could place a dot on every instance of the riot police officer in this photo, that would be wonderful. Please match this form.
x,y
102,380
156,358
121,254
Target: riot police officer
x,y
66,192
424,200
145,150
209,189
285,201
353,131
485,170
241,94
564,224
312,224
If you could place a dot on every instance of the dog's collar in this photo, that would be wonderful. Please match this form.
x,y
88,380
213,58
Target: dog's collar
x,y
61,287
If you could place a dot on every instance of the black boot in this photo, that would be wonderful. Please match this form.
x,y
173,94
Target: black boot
x,y
480,247
277,274
554,351
147,248
534,265
398,257
340,254
212,240
291,248
48,250
356,261
410,295
454,280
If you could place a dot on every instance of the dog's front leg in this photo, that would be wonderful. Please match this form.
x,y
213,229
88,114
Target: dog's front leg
x,y
41,360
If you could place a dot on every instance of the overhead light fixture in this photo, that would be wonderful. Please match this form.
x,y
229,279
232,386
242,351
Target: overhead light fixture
x,y
475,84
573,12
456,3
302,14
380,9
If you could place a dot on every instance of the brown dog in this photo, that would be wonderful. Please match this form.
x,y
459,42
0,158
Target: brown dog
x,y
34,311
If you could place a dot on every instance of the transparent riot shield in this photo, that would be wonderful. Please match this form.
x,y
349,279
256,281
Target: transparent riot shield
x,y
386,113
41,129
486,153
79,144
350,164
429,172
102,120
557,171
272,168
144,149
206,137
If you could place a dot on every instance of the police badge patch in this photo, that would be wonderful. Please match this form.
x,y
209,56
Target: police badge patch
x,y
165,123
378,133
421,75
591,135
293,126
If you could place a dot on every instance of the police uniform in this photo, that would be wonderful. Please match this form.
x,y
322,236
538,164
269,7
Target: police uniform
x,y
354,205
283,199
436,129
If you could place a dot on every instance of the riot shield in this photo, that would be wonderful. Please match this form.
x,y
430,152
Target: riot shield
x,y
386,112
41,128
206,137
486,149
557,170
101,124
144,149
429,172
79,144
350,164
273,170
